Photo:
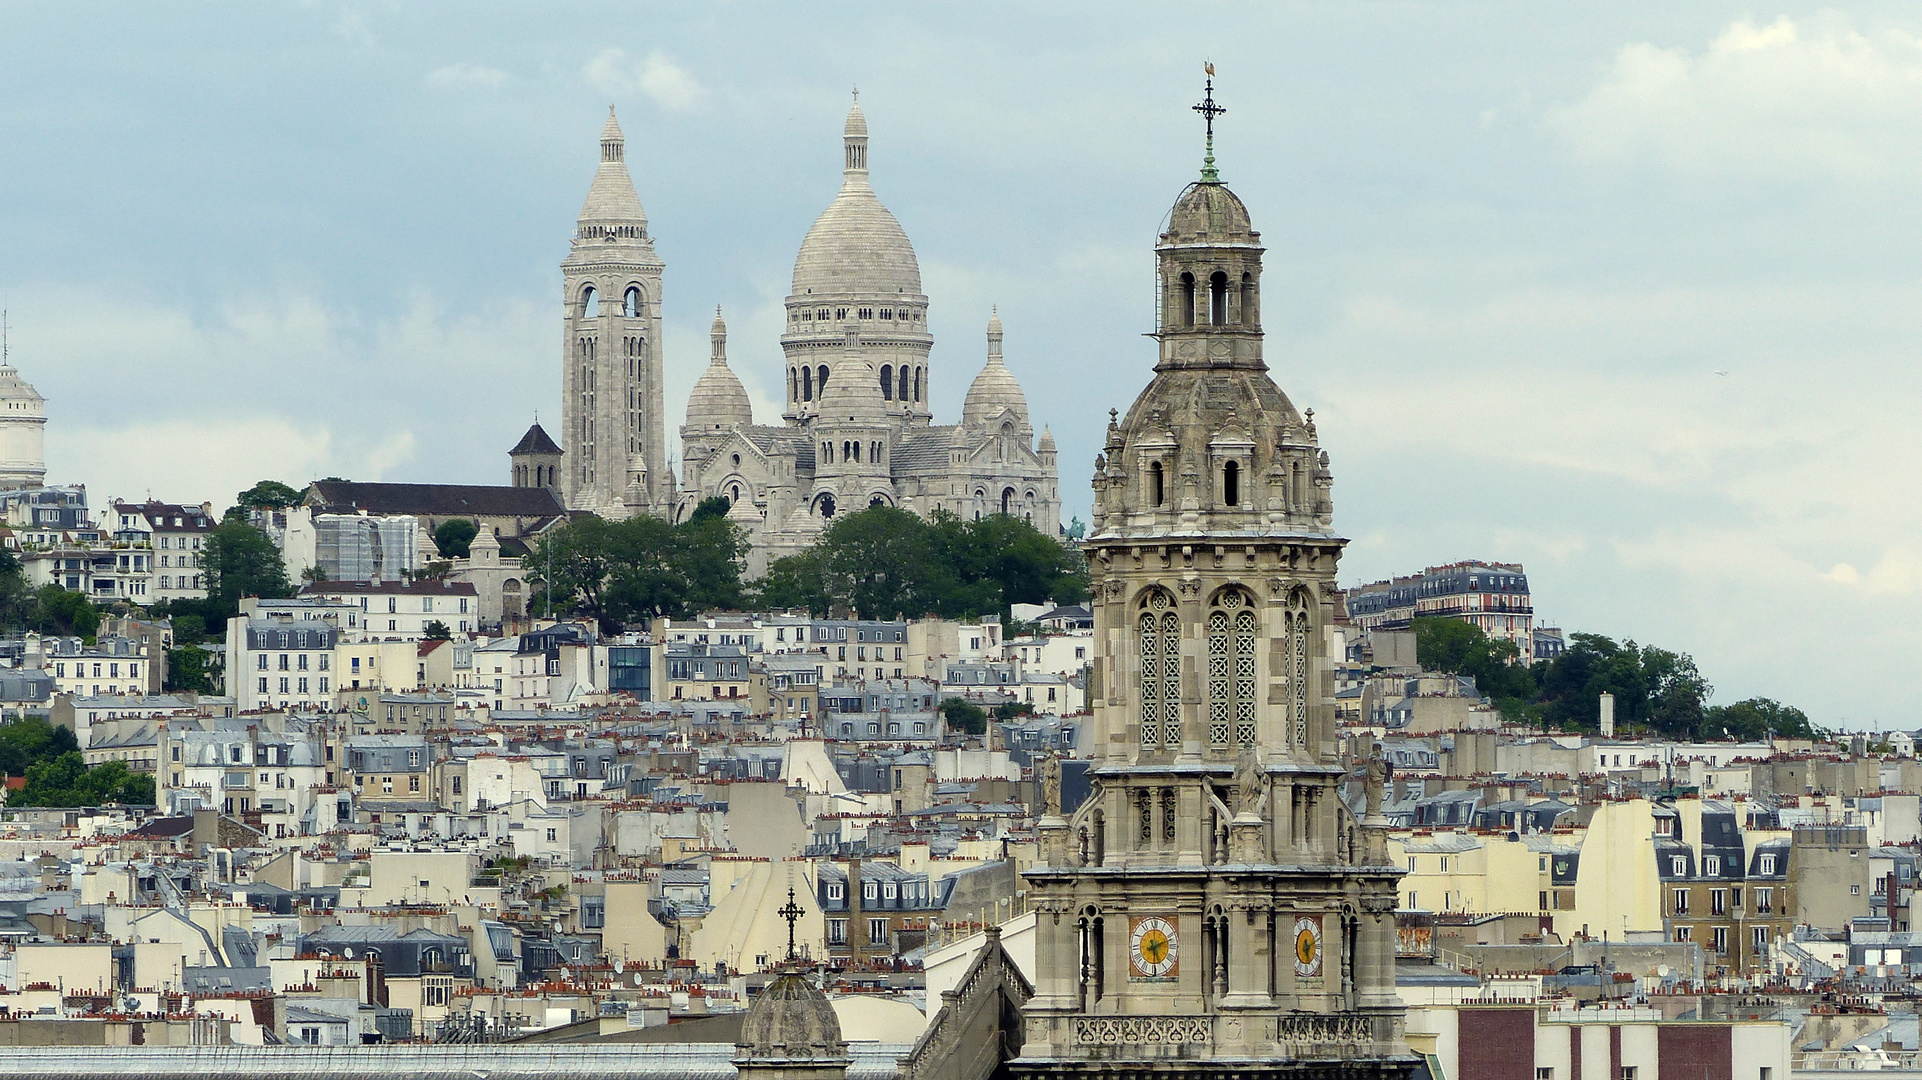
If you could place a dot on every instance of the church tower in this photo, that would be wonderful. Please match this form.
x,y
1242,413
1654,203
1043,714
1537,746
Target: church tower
x,y
1213,906
616,461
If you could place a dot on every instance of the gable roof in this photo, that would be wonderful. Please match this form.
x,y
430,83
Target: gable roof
x,y
433,500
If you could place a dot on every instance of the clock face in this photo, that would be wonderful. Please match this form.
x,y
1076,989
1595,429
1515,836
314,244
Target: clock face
x,y
1153,945
1308,946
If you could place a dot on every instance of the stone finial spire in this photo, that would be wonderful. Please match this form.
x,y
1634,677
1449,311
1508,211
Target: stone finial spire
x,y
717,334
855,138
994,335
613,143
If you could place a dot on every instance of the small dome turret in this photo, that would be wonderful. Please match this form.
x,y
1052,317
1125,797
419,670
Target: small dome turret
x,y
791,1020
995,390
718,401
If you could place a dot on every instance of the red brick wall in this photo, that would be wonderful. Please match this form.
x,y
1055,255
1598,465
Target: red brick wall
x,y
1695,1051
1497,1044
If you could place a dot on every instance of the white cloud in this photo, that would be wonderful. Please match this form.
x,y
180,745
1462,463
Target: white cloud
x,y
1815,98
284,386
663,81
215,459
465,76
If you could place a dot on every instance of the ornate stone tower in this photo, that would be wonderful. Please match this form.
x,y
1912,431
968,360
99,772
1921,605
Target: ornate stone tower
x,y
611,350
1213,906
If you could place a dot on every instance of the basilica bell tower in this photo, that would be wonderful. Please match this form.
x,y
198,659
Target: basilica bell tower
x,y
1213,907
612,425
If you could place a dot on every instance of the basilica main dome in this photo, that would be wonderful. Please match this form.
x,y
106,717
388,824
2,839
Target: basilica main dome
x,y
856,248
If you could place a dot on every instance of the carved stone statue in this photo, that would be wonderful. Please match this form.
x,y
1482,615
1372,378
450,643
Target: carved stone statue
x,y
1378,770
1048,774
1248,782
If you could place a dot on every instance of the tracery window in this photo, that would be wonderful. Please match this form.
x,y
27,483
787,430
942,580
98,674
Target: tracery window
x,y
1160,630
1298,645
1231,670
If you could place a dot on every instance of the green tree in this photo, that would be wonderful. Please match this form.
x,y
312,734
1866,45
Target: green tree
x,y
454,536
58,611
711,507
879,562
1462,648
17,599
190,669
795,582
1758,718
31,740
189,629
268,495
436,630
239,560
711,551
963,716
67,781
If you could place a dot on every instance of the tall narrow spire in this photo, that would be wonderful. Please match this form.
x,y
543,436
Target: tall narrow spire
x,y
1209,110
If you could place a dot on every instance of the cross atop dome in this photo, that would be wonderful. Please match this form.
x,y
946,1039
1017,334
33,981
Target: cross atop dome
x,y
1209,110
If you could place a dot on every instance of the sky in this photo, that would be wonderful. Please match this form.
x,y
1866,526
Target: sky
x,y
1626,293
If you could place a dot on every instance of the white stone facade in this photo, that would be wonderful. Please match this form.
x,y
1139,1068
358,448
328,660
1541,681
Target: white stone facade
x,y
615,444
23,432
857,427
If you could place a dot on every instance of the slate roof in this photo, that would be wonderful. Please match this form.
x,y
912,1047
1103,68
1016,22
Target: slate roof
x,y
536,441
433,500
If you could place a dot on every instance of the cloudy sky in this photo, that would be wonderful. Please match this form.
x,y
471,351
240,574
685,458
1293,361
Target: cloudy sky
x,y
1627,293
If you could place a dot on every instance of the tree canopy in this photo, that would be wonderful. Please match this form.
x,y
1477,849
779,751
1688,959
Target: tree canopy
x,y
454,536
1655,688
268,495
191,669
31,740
66,780
884,562
626,572
240,560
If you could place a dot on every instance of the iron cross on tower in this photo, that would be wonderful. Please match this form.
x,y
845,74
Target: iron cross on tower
x,y
792,912
1209,110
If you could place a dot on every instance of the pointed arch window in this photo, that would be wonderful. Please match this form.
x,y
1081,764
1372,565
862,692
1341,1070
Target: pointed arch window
x,y
1187,299
807,384
1231,483
887,382
1299,639
904,382
822,380
1160,645
1155,486
1218,299
631,302
1231,669
917,383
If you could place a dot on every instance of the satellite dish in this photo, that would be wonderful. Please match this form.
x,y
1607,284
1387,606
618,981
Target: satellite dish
x,y
1663,971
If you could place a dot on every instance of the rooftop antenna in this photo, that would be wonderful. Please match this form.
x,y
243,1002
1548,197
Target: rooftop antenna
x,y
5,349
1209,110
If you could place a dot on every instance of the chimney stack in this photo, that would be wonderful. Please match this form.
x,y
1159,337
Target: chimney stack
x,y
1608,716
